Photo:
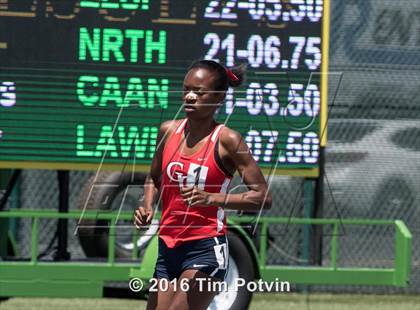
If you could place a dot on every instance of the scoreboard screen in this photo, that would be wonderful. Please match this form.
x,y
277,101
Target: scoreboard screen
x,y
86,83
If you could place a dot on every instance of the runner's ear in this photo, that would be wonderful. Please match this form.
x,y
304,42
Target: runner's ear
x,y
221,96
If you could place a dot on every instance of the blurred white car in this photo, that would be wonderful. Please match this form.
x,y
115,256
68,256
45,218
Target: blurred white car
x,y
373,169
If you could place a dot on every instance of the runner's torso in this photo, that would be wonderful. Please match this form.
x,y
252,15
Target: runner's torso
x,y
180,223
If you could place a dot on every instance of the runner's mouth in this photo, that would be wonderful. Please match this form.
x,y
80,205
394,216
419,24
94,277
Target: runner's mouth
x,y
189,108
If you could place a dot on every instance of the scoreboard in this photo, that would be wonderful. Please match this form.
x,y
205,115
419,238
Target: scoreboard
x,y
85,84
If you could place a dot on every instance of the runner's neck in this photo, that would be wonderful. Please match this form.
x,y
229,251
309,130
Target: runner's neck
x,y
196,131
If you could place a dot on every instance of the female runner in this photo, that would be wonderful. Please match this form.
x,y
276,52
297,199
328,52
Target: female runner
x,y
194,162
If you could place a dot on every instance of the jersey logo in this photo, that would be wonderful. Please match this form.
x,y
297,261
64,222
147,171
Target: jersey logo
x,y
196,175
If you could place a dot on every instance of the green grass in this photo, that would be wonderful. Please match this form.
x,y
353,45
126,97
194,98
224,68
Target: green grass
x,y
260,302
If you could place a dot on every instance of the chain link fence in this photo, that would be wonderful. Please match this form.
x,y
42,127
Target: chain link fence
x,y
39,190
373,153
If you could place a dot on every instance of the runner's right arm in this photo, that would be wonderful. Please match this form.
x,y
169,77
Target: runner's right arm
x,y
144,214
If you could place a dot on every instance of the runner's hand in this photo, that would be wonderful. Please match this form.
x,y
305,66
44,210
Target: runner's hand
x,y
193,196
143,217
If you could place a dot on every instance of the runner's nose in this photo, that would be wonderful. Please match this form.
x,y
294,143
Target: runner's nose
x,y
190,97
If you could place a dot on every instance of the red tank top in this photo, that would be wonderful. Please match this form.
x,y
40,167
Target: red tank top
x,y
180,223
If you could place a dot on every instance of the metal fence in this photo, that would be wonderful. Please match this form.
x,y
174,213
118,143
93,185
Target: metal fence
x,y
373,154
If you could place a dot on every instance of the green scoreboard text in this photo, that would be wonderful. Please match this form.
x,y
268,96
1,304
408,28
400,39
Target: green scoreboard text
x,y
87,83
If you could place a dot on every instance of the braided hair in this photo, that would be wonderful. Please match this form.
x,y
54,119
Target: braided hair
x,y
226,77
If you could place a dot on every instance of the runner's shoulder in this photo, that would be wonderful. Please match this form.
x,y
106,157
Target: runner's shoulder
x,y
167,127
230,139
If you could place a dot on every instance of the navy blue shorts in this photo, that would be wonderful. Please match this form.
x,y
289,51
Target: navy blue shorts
x,y
210,255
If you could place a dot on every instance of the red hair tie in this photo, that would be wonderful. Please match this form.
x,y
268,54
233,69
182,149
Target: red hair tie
x,y
232,76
